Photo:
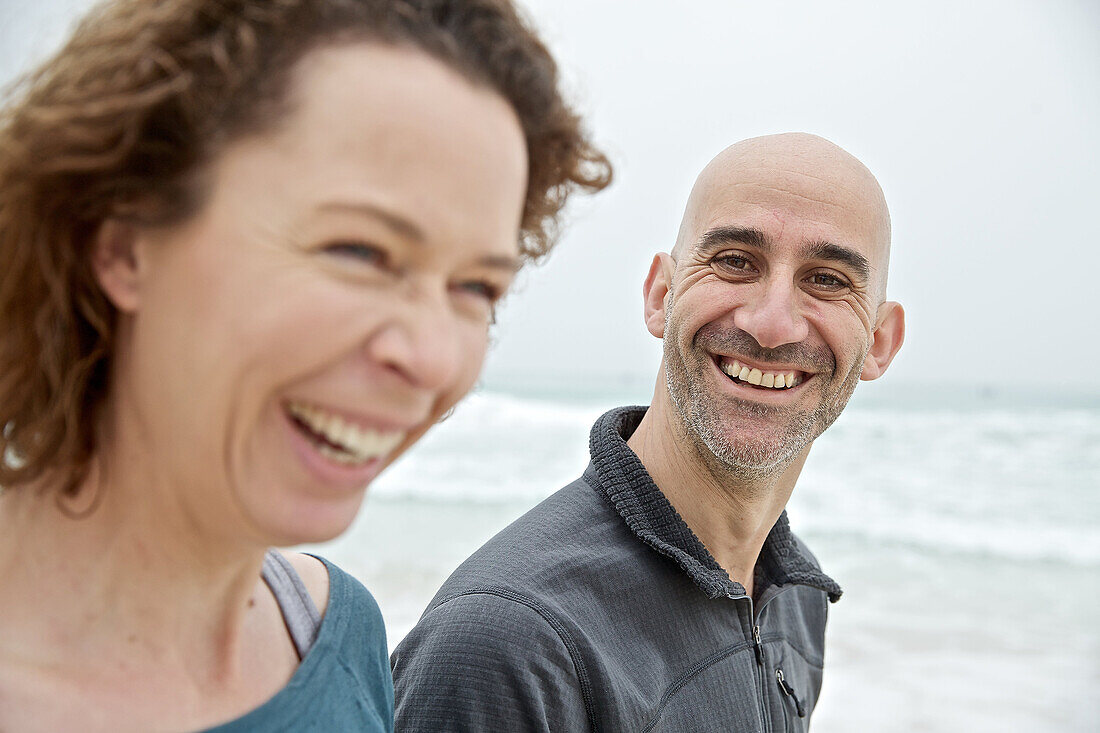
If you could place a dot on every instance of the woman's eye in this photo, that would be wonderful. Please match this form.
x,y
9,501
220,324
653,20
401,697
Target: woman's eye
x,y
364,252
479,299
487,291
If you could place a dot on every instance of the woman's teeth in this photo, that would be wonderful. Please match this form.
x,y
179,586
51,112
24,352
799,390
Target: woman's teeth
x,y
775,380
340,440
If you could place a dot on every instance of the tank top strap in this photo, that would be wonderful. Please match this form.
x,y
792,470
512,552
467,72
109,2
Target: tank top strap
x,y
300,613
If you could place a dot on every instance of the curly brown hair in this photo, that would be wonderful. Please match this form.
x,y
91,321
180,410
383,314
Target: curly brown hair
x,y
120,122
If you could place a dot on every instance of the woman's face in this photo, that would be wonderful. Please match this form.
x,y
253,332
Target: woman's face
x,y
329,302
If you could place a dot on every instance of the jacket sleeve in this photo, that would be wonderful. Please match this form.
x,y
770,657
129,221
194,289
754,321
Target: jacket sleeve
x,y
485,662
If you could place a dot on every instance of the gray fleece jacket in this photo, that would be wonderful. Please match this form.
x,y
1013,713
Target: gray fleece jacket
x,y
599,610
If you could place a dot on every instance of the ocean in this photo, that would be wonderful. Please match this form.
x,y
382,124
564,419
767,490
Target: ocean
x,y
963,526
963,523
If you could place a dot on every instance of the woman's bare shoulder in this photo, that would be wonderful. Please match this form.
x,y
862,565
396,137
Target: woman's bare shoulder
x,y
314,574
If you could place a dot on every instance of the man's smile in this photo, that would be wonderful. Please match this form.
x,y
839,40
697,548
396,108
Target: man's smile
x,y
762,378
769,377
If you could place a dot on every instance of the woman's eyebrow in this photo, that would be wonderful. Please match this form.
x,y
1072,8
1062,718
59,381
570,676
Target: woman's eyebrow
x,y
399,224
502,262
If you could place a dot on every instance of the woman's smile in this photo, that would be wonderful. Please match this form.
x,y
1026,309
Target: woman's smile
x,y
341,439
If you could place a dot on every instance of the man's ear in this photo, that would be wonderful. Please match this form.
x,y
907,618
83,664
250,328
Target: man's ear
x,y
888,336
655,290
118,263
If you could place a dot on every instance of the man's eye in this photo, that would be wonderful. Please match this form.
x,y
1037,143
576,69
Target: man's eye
x,y
363,251
733,263
827,281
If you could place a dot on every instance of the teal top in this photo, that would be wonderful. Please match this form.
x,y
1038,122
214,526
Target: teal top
x,y
344,682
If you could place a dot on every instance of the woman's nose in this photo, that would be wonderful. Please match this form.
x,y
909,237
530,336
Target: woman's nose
x,y
421,343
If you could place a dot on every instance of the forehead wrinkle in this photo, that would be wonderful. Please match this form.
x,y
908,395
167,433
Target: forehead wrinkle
x,y
789,192
834,182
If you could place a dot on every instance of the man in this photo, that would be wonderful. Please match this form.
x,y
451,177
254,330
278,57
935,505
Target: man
x,y
663,590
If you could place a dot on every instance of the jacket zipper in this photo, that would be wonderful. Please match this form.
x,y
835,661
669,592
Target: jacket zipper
x,y
758,647
786,688
789,692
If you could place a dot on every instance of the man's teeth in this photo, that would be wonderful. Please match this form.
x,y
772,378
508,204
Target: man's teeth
x,y
775,380
356,445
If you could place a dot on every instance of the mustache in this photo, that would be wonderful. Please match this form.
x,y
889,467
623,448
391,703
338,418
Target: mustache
x,y
727,340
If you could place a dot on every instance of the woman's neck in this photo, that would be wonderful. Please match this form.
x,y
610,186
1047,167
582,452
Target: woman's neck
x,y
104,560
112,584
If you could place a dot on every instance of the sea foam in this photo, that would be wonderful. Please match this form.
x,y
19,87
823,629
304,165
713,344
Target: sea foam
x,y
1015,484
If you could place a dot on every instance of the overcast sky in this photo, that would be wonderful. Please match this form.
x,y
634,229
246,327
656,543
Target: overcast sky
x,y
980,120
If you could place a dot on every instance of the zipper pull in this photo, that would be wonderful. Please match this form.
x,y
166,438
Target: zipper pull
x,y
757,646
789,692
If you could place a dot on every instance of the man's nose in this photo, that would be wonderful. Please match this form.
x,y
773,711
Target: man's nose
x,y
771,314
420,342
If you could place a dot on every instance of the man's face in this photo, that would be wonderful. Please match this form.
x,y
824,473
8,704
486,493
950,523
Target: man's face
x,y
771,313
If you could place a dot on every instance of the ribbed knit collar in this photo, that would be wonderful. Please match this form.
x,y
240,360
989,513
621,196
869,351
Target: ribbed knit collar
x,y
628,486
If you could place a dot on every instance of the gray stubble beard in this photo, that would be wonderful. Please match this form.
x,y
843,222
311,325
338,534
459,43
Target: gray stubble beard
x,y
703,421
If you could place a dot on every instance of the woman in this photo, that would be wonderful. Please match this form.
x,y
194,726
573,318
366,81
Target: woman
x,y
250,254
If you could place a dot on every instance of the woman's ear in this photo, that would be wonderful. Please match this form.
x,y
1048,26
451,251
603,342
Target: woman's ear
x,y
654,291
888,336
118,263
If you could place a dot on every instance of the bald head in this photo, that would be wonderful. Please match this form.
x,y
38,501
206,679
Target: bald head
x,y
793,173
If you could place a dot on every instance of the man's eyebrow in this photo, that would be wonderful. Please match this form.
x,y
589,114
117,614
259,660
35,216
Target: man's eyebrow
x,y
837,253
732,235
399,224
750,237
